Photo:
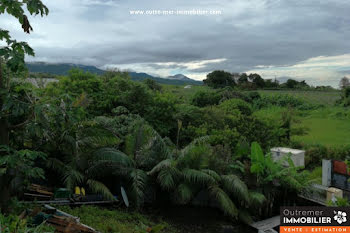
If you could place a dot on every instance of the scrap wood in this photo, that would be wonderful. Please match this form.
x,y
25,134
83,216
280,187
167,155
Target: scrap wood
x,y
36,195
40,189
68,225
60,212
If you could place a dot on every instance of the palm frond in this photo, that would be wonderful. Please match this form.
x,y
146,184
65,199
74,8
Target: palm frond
x,y
256,198
184,193
224,201
160,166
197,177
109,160
72,178
100,188
98,141
212,173
234,185
195,142
56,165
167,178
152,152
138,185
136,139
113,156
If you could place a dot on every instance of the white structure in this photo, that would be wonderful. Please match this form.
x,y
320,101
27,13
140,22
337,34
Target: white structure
x,y
326,172
188,87
297,156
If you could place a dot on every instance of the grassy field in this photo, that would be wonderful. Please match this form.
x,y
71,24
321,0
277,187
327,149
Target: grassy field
x,y
316,97
183,93
329,126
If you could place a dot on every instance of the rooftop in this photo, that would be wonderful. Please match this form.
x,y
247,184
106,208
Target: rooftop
x,y
286,150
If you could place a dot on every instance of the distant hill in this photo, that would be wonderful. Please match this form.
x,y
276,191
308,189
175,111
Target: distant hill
x,y
59,68
63,68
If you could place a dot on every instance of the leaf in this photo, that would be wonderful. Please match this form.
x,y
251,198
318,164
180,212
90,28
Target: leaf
x,y
100,188
138,185
197,177
184,193
234,185
224,201
160,166
256,198
166,179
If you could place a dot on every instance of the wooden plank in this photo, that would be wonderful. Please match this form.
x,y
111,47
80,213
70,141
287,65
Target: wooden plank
x,y
36,195
61,212
68,202
70,220
40,189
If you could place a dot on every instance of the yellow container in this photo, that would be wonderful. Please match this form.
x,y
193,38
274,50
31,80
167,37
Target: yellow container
x,y
77,190
82,190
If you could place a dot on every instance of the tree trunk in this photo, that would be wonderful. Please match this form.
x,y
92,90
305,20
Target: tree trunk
x,y
4,140
5,193
4,131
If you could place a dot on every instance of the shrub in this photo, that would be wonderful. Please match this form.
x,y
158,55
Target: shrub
x,y
236,104
205,98
282,101
315,153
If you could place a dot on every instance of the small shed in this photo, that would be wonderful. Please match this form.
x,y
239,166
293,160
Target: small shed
x,y
297,156
188,87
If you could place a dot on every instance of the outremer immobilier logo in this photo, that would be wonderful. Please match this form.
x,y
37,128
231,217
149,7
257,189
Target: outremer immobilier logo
x,y
315,219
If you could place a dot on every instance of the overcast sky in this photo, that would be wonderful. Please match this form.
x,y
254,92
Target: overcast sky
x,y
302,39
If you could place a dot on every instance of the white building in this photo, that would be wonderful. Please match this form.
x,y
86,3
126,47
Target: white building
x,y
297,156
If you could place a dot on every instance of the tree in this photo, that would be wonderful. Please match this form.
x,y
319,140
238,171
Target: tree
x,y
344,83
271,84
14,52
291,83
16,169
243,78
153,85
219,79
257,80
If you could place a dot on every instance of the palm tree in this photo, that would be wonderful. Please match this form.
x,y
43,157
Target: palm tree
x,y
144,148
187,173
80,149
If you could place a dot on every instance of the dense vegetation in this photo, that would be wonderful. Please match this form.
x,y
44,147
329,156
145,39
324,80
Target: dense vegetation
x,y
105,131
90,130
220,78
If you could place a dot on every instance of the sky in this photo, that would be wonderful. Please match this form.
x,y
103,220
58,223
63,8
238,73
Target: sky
x,y
301,39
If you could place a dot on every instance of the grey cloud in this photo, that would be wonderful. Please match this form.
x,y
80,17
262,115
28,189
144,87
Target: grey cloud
x,y
249,33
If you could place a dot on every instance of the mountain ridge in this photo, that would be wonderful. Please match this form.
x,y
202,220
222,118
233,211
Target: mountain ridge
x,y
63,68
